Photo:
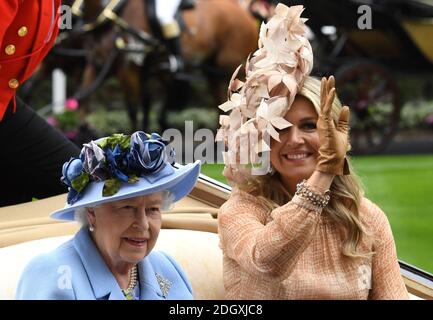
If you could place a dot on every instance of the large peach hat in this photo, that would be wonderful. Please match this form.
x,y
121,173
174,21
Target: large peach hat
x,y
274,75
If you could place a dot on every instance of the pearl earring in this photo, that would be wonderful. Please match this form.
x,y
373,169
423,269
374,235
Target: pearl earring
x,y
91,228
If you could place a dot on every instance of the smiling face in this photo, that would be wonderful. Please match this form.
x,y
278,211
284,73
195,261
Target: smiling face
x,y
295,157
126,231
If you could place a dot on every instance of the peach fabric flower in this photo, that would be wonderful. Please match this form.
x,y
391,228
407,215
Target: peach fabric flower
x,y
274,74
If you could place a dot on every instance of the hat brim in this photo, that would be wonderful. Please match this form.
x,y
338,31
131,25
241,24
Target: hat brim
x,y
180,183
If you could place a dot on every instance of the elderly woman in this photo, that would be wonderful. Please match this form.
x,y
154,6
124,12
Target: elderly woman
x,y
303,230
117,190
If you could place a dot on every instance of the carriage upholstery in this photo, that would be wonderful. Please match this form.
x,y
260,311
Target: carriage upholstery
x,y
189,234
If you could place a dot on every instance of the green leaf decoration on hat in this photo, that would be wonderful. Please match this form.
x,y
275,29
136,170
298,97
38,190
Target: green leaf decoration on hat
x,y
80,182
133,178
120,139
111,186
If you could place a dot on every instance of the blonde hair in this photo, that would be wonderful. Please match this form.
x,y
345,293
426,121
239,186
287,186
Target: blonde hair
x,y
346,190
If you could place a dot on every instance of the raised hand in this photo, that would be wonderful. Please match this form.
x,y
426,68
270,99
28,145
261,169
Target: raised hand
x,y
334,141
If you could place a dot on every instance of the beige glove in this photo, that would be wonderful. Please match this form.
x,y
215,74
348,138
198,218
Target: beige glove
x,y
334,141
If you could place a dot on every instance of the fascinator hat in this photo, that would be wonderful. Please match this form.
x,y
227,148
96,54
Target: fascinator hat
x,y
274,75
122,166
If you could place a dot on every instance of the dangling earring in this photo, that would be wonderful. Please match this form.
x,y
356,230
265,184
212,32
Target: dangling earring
x,y
91,228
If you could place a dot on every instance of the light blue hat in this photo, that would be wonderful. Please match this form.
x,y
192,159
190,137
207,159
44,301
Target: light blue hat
x,y
120,167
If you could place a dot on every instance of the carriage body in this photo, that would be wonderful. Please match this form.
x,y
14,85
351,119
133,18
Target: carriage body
x,y
400,36
189,234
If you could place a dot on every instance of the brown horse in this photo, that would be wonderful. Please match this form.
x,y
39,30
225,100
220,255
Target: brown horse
x,y
219,35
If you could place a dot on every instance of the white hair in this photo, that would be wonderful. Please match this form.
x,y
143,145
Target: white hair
x,y
80,214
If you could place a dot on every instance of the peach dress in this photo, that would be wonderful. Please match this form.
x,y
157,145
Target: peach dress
x,y
294,252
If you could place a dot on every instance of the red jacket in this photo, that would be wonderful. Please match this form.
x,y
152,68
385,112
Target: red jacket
x,y
28,29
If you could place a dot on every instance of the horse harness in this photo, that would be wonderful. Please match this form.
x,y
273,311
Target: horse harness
x,y
112,11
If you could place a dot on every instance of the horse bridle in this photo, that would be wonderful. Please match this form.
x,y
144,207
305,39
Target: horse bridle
x,y
113,6
111,13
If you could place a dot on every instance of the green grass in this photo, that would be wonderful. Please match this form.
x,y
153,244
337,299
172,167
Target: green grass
x,y
403,187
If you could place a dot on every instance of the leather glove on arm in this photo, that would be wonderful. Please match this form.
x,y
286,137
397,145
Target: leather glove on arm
x,y
334,141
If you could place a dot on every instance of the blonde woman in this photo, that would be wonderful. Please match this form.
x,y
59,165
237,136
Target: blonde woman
x,y
304,230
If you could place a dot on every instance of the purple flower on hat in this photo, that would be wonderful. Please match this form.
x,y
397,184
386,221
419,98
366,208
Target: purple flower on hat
x,y
149,154
93,159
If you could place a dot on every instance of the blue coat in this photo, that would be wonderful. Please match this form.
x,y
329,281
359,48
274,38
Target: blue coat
x,y
76,271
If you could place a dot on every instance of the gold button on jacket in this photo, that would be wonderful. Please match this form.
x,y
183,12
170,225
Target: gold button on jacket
x,y
22,32
10,49
13,83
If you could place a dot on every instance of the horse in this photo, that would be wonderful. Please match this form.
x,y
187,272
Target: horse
x,y
218,36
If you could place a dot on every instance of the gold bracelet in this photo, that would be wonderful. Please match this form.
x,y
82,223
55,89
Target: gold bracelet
x,y
304,190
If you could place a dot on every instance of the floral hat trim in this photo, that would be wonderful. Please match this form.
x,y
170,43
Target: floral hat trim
x,y
116,159
274,74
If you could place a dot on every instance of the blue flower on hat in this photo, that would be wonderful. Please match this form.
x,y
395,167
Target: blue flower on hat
x,y
71,170
74,177
116,160
149,154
